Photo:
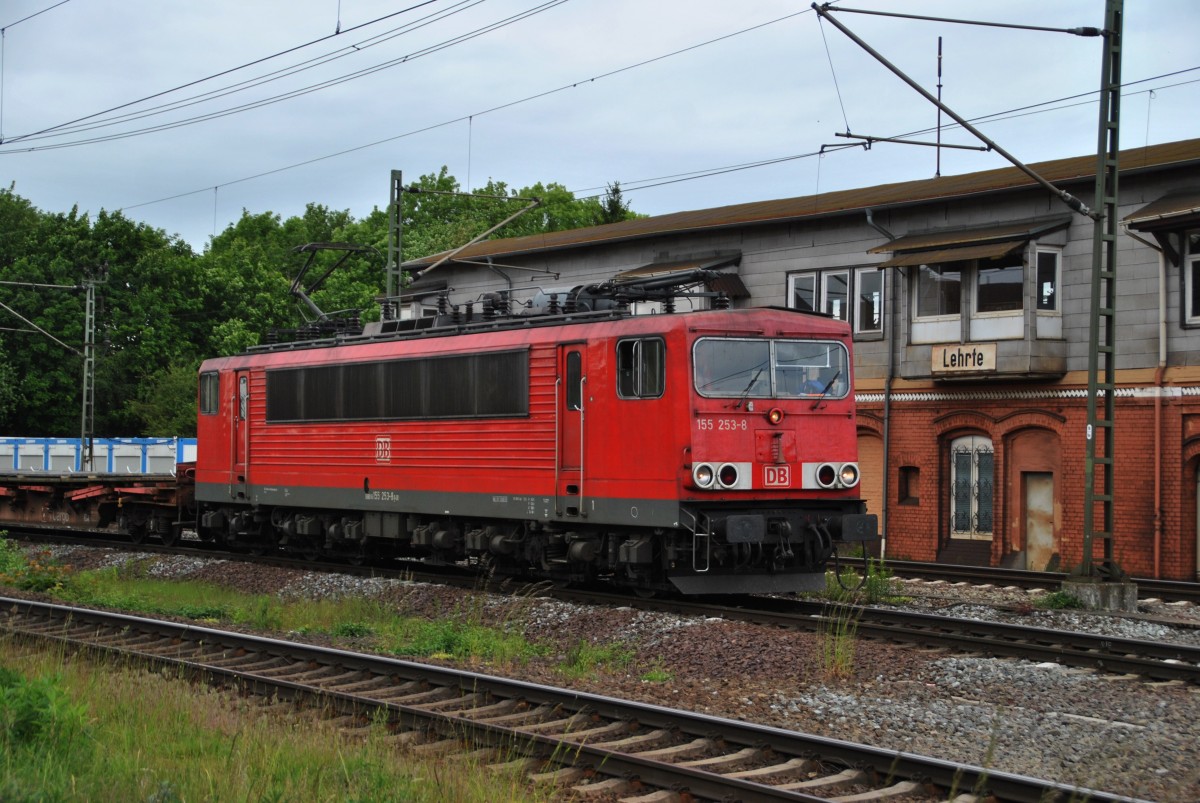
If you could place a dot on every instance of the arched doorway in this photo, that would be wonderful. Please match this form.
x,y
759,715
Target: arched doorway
x,y
870,488
972,475
1034,472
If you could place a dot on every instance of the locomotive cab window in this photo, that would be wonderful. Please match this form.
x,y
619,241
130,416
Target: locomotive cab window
x,y
779,369
209,396
641,368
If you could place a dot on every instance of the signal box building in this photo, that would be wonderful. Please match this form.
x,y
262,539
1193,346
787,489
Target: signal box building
x,y
969,297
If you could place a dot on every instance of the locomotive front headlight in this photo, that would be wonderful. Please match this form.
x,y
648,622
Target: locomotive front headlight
x,y
849,475
703,475
775,415
728,475
827,475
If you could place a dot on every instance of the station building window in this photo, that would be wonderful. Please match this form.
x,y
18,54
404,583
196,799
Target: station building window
x,y
988,293
1047,279
976,284
851,295
909,485
1191,276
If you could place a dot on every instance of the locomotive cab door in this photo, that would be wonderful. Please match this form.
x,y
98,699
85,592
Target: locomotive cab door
x,y
240,433
570,397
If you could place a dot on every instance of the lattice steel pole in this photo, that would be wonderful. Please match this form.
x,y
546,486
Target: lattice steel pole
x,y
1102,326
87,424
395,236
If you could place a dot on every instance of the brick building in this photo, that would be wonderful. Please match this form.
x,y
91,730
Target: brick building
x,y
969,297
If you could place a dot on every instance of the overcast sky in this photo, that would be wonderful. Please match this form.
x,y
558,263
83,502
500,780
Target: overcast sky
x,y
579,92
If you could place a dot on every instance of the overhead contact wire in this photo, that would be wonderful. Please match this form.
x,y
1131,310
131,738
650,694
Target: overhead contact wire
x,y
219,74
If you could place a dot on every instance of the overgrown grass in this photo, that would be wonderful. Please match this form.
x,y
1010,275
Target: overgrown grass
x,y
850,587
586,659
839,639
1057,601
658,673
37,572
71,730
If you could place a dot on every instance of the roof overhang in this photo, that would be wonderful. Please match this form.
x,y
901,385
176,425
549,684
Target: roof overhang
x,y
979,242
1175,210
1167,218
990,251
725,281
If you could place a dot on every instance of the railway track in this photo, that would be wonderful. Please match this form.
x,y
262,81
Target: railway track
x,y
1152,661
587,744
1167,590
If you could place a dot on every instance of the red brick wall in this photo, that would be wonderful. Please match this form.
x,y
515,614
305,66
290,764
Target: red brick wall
x,y
920,432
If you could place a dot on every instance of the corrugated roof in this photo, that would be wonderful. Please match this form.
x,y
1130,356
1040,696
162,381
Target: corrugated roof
x,y
985,251
831,203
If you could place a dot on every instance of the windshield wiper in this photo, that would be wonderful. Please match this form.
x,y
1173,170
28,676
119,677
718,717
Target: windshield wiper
x,y
746,392
825,390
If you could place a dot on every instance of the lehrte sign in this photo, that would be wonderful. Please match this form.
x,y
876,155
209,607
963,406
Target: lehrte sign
x,y
964,358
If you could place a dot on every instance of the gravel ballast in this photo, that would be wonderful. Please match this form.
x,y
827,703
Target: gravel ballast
x,y
1120,735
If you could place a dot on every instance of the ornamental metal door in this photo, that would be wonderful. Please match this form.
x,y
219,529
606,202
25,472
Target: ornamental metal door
x,y
972,487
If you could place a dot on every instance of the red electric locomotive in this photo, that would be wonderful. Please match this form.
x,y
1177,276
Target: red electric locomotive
x,y
701,452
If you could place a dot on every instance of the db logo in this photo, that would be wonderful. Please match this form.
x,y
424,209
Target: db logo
x,y
383,450
777,476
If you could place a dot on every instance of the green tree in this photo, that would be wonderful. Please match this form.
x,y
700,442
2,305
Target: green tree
x,y
434,222
166,402
614,208
162,308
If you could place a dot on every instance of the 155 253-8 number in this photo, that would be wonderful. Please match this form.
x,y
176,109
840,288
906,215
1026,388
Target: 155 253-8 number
x,y
721,424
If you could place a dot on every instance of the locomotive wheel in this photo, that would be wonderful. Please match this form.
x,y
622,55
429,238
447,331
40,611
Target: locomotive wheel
x,y
171,534
135,530
307,550
258,548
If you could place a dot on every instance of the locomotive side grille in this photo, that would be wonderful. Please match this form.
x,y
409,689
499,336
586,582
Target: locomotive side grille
x,y
488,385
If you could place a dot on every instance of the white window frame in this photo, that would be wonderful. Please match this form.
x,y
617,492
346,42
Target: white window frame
x,y
859,273
818,287
933,328
1190,242
829,304
810,276
980,326
1048,321
1008,324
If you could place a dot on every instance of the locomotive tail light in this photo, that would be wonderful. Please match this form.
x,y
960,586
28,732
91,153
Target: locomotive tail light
x,y
848,476
727,475
827,475
703,475
775,416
